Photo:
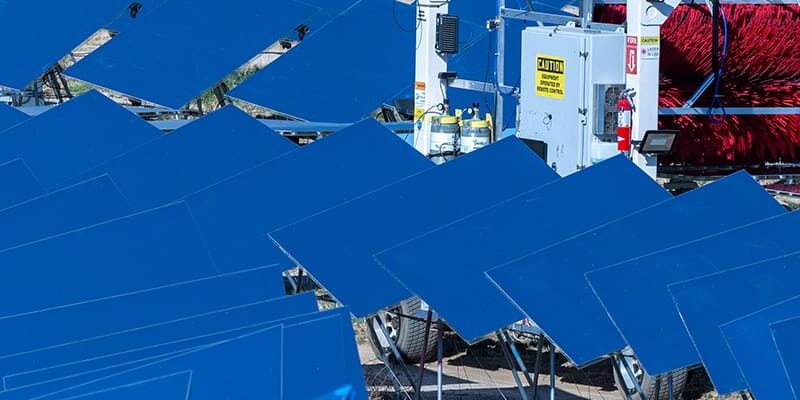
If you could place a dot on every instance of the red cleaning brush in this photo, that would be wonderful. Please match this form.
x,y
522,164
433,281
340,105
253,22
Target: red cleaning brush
x,y
762,70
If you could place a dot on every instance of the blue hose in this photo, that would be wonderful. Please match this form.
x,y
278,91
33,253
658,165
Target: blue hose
x,y
716,101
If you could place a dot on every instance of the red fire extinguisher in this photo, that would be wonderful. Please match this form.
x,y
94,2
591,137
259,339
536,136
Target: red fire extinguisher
x,y
624,122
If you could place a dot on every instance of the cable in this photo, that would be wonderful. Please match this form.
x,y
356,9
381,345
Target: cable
x,y
440,106
685,16
529,7
421,117
397,22
490,53
715,8
716,100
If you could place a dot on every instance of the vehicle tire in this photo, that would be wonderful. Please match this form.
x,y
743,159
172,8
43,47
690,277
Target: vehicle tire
x,y
408,334
648,383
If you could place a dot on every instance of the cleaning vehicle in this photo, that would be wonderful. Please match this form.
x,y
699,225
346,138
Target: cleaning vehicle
x,y
689,92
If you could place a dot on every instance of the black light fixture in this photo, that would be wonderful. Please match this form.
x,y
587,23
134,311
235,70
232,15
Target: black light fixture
x,y
447,27
660,142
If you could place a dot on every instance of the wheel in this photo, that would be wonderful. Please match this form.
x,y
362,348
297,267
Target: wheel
x,y
648,382
407,334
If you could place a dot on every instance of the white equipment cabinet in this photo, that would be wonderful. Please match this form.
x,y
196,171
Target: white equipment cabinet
x,y
571,81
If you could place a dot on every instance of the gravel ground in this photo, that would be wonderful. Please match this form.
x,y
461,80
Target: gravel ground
x,y
481,372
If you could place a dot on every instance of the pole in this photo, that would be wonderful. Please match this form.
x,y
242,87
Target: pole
x,y
440,356
538,365
429,95
60,73
395,351
424,353
291,281
744,395
51,76
635,381
642,71
518,357
552,371
587,11
500,70
510,362
715,17
35,92
395,380
621,378
299,278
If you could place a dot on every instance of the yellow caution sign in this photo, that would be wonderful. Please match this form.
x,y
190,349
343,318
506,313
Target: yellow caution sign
x,y
650,40
650,47
550,81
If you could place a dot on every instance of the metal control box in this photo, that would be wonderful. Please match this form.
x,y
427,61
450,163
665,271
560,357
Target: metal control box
x,y
571,80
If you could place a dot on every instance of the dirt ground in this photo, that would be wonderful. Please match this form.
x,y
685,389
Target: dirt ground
x,y
481,372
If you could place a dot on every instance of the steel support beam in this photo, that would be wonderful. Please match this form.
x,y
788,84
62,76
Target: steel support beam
x,y
730,111
555,19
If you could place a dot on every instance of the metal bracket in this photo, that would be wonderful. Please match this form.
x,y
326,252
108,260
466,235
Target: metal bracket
x,y
624,361
656,13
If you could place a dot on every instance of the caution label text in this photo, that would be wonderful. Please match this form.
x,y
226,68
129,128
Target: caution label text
x,y
550,81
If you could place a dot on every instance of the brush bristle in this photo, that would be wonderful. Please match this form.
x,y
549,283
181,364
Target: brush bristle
x,y
762,70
